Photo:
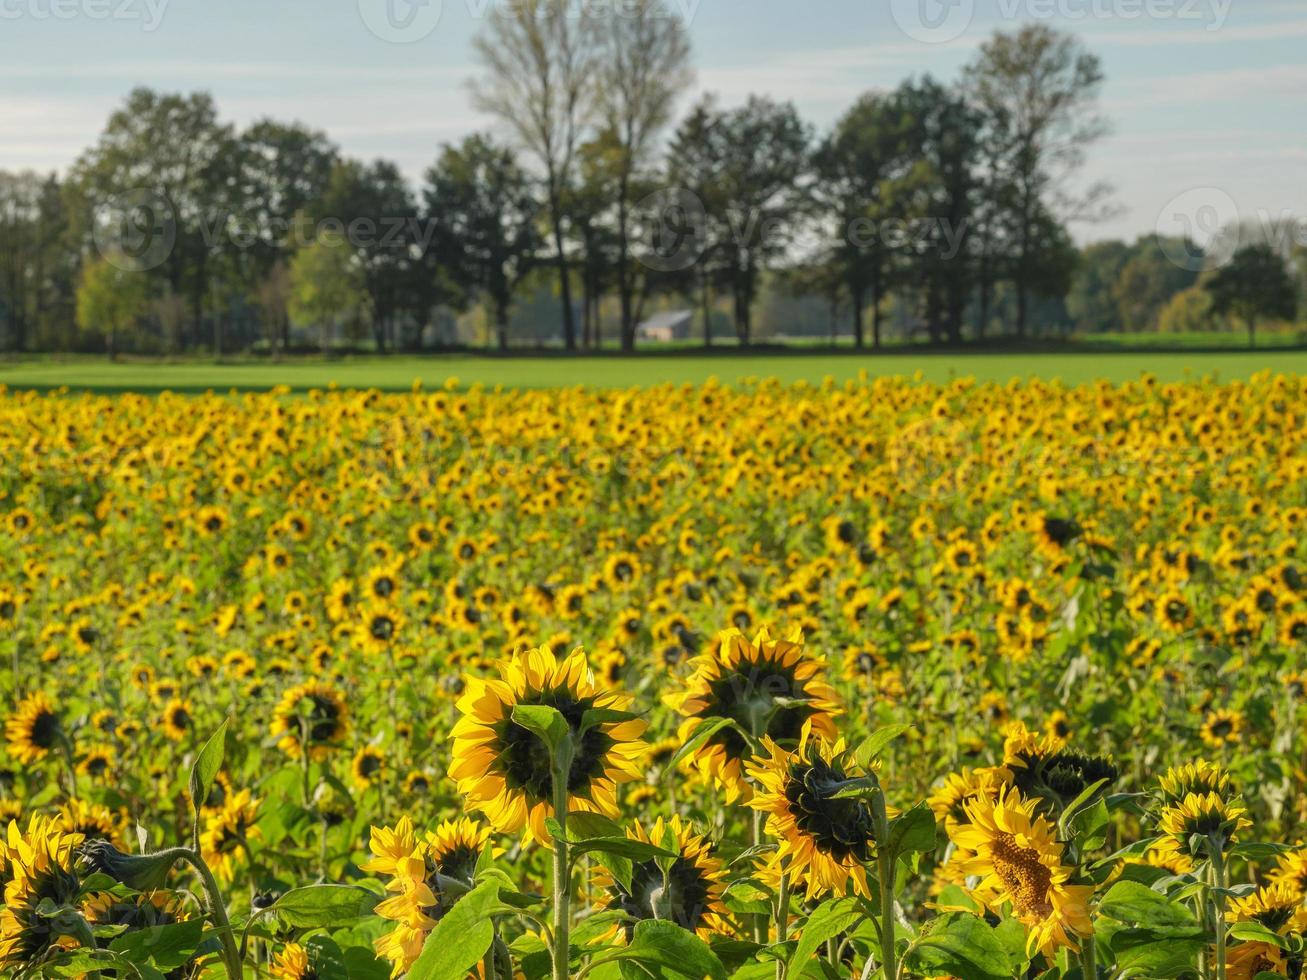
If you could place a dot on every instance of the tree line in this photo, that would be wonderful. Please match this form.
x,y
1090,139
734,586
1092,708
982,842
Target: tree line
x,y
939,211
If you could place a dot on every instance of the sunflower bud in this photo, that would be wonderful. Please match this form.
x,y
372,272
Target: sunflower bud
x,y
142,873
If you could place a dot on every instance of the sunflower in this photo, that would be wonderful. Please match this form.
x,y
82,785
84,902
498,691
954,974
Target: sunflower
x,y
177,719
1291,871
825,841
688,891
622,570
1201,821
97,762
228,829
1272,906
1201,777
310,716
293,963
1054,534
948,800
1015,854
33,730
504,770
379,625
415,868
40,871
1222,727
368,766
769,688
91,821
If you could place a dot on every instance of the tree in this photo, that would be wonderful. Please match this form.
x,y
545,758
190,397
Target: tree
x,y
540,58
1039,89
856,168
327,287
1090,301
645,66
285,170
751,170
171,149
1255,284
486,210
110,299
942,189
1189,311
379,215
696,161
1148,281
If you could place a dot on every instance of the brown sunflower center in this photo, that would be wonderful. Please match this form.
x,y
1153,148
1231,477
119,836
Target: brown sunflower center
x,y
1024,876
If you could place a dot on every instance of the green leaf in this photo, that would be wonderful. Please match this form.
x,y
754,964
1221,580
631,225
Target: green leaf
x,y
828,920
863,788
594,717
315,906
960,945
1159,955
705,730
1256,932
875,743
913,831
1136,904
206,767
670,947
164,947
546,723
461,938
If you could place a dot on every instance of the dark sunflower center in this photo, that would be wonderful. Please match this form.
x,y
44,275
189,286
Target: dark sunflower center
x,y
525,759
323,719
382,627
748,693
383,587
7,609
623,571
45,730
681,897
1221,728
842,828
458,862
369,765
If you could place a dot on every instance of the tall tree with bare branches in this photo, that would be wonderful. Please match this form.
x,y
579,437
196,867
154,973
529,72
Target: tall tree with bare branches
x,y
645,67
540,59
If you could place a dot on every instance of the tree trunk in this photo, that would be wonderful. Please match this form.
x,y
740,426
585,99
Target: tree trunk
x,y
564,279
705,300
859,298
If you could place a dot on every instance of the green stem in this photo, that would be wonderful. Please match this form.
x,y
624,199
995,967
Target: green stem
x,y
1088,959
562,879
783,918
885,863
1218,905
218,911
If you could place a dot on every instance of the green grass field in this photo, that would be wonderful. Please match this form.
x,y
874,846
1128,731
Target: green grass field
x,y
399,373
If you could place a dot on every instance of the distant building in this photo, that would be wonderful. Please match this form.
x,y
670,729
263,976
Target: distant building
x,y
665,327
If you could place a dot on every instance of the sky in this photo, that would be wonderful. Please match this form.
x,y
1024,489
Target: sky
x,y
1205,97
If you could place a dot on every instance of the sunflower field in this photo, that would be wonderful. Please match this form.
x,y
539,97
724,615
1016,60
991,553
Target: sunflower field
x,y
883,679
